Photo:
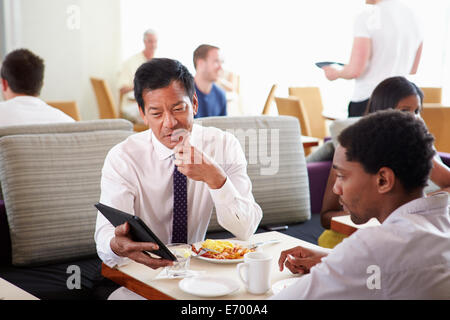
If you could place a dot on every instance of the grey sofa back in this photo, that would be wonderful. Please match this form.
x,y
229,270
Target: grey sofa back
x,y
276,165
50,177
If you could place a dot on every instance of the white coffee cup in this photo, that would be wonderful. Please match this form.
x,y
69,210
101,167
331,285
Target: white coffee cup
x,y
256,269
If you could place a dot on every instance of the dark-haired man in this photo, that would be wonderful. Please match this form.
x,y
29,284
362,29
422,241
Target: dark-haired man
x,y
172,175
208,65
22,77
382,165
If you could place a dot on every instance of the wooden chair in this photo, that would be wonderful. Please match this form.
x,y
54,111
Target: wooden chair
x,y
68,107
437,120
432,94
270,99
311,101
105,101
106,105
292,106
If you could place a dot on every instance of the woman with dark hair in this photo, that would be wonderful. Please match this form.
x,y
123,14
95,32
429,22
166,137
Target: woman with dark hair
x,y
392,93
396,93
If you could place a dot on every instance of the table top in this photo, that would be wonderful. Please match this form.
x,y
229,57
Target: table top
x,y
345,225
308,141
8,291
143,280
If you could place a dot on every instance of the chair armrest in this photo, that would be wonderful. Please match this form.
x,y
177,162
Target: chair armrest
x,y
318,173
445,157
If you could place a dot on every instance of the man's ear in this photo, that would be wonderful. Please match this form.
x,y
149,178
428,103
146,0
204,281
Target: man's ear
x,y
4,84
385,180
195,103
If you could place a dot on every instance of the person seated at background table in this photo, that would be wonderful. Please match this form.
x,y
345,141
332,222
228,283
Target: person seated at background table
x,y
129,67
404,95
382,164
145,174
208,66
22,78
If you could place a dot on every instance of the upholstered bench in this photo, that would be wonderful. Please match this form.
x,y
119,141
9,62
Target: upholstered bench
x,y
50,178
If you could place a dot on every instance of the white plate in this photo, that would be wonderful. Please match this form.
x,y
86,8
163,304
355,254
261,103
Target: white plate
x,y
208,286
282,284
223,261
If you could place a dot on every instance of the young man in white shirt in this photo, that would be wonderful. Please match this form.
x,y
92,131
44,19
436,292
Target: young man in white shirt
x,y
382,165
22,77
138,176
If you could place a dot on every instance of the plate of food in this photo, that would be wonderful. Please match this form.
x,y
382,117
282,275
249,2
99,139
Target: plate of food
x,y
221,251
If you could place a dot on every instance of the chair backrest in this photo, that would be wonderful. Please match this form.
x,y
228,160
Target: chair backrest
x,y
68,107
50,178
432,94
276,165
292,106
437,120
311,100
105,102
269,100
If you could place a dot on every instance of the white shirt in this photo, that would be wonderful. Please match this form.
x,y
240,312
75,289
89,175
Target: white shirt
x,y
137,178
395,36
24,110
406,257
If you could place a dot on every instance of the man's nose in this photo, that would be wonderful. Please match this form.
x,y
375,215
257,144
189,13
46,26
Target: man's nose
x,y
169,120
337,188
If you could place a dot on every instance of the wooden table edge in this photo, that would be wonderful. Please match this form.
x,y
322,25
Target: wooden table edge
x,y
133,284
342,228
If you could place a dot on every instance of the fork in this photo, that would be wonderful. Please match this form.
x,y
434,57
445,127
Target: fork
x,y
205,250
263,243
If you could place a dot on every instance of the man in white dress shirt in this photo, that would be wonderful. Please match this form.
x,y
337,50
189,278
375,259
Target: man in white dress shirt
x,y
137,176
22,78
382,165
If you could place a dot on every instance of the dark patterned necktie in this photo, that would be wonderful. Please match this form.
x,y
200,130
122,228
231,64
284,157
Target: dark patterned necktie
x,y
179,228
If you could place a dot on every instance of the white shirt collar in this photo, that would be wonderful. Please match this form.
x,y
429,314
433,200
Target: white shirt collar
x,y
27,99
420,205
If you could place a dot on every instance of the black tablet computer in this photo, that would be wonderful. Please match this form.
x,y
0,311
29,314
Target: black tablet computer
x,y
138,229
327,63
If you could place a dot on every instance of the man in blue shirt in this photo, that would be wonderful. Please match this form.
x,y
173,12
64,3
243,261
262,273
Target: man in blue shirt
x,y
211,98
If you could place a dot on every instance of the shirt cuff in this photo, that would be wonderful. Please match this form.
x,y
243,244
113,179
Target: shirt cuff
x,y
225,194
111,259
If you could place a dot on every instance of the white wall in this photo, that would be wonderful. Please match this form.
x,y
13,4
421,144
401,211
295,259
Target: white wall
x,y
265,41
277,41
77,39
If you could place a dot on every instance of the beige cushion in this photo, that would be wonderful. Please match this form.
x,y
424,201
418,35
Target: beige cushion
x,y
50,183
280,184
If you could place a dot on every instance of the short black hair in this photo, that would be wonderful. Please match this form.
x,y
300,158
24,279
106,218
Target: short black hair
x,y
24,72
159,73
390,91
394,139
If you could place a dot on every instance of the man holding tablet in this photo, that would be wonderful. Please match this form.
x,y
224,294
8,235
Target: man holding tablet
x,y
172,175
